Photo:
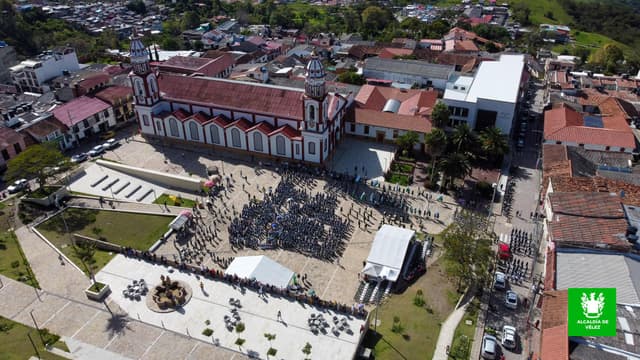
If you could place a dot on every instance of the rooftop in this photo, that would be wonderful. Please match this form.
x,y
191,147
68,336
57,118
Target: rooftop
x,y
410,67
498,80
605,269
79,109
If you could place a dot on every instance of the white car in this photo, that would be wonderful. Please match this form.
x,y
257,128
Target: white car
x,y
509,337
96,151
78,158
500,282
110,144
489,347
17,186
511,300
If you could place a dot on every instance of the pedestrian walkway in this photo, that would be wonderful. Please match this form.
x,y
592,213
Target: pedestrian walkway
x,y
447,331
93,203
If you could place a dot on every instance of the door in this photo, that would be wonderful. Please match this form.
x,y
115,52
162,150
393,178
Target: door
x,y
380,136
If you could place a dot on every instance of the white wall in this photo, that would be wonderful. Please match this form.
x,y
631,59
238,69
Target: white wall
x,y
287,146
167,121
595,147
207,131
506,111
243,140
52,68
263,140
315,138
143,110
159,127
188,131
297,156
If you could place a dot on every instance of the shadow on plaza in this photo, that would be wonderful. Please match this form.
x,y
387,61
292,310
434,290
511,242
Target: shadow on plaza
x,y
117,324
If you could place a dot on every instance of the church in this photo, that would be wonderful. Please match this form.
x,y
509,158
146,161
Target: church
x,y
260,119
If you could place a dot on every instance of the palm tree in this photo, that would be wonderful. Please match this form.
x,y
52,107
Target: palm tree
x,y
436,142
493,143
455,166
463,137
440,115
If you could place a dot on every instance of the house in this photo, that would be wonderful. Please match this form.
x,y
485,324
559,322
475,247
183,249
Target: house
x,y
409,72
219,67
121,100
84,117
11,144
384,113
566,126
256,119
31,75
432,44
47,129
490,98
392,53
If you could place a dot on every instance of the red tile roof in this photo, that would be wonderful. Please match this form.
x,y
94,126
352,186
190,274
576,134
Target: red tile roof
x,y
554,309
222,121
390,53
114,94
8,137
555,343
93,81
550,268
241,124
277,101
587,204
567,125
200,117
263,127
288,131
597,184
185,62
45,127
181,114
79,109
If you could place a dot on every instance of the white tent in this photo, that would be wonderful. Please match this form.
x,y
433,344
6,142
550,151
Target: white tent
x,y
387,252
262,269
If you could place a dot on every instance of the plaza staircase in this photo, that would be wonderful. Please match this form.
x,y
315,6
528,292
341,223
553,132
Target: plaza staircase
x,y
388,289
360,291
366,293
425,248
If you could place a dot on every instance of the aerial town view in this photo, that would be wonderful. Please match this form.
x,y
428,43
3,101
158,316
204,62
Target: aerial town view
x,y
337,179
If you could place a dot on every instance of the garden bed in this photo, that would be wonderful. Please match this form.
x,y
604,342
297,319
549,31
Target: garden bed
x,y
97,291
398,178
172,200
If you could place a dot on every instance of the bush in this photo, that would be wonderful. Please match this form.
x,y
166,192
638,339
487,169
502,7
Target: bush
x,y
239,327
397,326
484,189
47,337
5,325
240,341
272,352
207,332
418,300
207,322
15,264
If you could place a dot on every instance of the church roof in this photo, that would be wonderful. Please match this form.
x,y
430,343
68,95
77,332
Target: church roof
x,y
259,98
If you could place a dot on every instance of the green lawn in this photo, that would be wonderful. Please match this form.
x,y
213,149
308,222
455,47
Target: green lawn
x,y
16,345
463,337
421,325
541,7
13,264
172,200
397,178
138,231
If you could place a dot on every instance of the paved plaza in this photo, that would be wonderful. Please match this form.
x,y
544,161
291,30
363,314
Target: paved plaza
x,y
366,158
212,303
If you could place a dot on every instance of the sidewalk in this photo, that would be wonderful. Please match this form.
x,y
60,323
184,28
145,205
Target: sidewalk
x,y
447,331
125,205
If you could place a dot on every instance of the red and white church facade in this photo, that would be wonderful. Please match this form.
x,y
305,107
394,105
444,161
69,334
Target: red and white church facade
x,y
282,122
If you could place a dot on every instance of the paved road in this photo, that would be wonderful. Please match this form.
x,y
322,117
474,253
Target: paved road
x,y
447,330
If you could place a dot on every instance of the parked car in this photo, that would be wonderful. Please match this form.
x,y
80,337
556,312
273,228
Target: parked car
x,y
96,151
78,158
18,186
489,347
500,282
509,337
511,300
110,144
107,135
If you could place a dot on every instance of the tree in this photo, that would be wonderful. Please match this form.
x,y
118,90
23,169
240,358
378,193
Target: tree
x,y
170,43
270,337
521,12
35,162
440,115
436,142
455,166
463,138
191,20
137,6
494,143
608,57
351,77
306,349
467,246
407,140
375,19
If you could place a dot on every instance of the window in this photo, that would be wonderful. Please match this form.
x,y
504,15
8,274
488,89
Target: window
x,y
280,144
193,131
17,148
105,113
622,149
581,145
312,148
215,134
352,128
76,129
297,149
5,154
85,123
312,113
395,134
235,138
257,142
366,129
145,120
325,145
607,148
159,125
173,127
465,112
558,142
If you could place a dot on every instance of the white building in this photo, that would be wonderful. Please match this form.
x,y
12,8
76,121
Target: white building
x,y
490,98
408,72
31,75
83,117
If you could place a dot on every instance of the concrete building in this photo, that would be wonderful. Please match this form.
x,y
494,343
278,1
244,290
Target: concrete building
x,y
84,116
31,75
490,98
408,72
267,120
7,59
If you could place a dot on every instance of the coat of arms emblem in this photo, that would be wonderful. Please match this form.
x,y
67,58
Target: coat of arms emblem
x,y
592,306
